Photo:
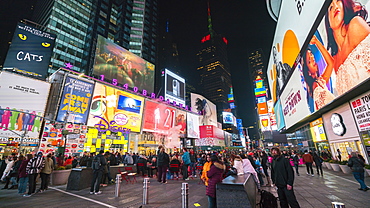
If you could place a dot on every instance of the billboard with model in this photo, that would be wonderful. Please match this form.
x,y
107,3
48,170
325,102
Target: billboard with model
x,y
205,108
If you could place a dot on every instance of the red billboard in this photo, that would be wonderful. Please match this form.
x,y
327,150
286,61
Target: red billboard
x,y
211,131
158,117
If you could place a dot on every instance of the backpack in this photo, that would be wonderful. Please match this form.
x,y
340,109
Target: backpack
x,y
268,200
96,163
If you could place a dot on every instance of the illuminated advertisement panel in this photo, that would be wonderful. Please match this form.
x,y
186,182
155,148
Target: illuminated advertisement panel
x,y
295,21
279,116
271,113
228,118
76,100
262,108
261,100
112,62
175,87
265,123
361,110
180,122
317,130
205,108
30,51
258,92
115,110
27,97
294,99
211,131
159,118
329,72
193,125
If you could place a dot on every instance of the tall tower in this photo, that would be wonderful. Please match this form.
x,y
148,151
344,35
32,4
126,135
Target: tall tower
x,y
214,69
130,24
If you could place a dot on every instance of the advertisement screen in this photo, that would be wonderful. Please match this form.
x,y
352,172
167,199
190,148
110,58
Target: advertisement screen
x,y
30,51
361,111
271,113
330,72
295,21
279,116
112,62
75,100
175,87
28,98
159,118
228,118
262,108
180,121
205,108
193,125
294,99
115,110
317,130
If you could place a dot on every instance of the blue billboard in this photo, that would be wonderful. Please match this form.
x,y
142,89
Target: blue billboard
x,y
30,51
76,100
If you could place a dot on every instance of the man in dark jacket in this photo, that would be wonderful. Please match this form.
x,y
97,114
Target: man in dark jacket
x,y
282,176
98,172
357,166
162,161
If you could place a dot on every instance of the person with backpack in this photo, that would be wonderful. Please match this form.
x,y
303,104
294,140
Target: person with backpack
x,y
357,166
186,162
318,162
282,176
98,164
162,161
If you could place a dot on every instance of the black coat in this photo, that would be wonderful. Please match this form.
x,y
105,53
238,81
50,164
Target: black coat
x,y
282,172
163,159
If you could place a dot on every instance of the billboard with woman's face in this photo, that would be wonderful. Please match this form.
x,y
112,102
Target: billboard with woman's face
x,y
337,58
205,108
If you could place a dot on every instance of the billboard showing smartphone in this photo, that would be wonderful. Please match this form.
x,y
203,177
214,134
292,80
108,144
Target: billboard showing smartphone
x,y
175,87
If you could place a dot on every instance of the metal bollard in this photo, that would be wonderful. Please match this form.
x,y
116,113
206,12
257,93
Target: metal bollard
x,y
145,190
184,195
118,186
337,205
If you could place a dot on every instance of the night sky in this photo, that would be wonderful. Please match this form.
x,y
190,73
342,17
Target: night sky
x,y
245,23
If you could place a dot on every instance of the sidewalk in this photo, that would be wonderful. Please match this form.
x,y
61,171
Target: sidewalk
x,y
319,192
311,192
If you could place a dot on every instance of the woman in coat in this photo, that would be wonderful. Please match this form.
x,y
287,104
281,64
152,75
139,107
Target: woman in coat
x,y
206,168
214,176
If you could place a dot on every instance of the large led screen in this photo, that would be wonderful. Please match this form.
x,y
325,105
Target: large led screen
x,y
30,51
75,100
280,123
27,97
361,110
337,59
295,21
180,122
228,118
113,109
112,62
205,108
159,118
193,125
175,87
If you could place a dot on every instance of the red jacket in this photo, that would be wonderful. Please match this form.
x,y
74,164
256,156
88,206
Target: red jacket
x,y
307,158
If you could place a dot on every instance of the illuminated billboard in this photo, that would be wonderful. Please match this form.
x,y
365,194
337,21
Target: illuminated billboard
x,y
361,110
205,108
115,110
228,118
180,122
27,97
329,72
271,113
114,63
262,108
175,87
279,116
295,21
193,125
265,123
317,130
30,51
75,100
159,118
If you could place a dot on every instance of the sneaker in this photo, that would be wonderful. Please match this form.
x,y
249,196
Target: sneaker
x,y
308,174
26,195
186,179
40,191
313,175
97,193
164,182
91,192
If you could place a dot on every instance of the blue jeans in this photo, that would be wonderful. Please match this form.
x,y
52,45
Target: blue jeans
x,y
359,176
22,185
212,202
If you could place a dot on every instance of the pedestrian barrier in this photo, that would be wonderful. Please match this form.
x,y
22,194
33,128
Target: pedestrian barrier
x,y
145,190
337,205
184,195
118,186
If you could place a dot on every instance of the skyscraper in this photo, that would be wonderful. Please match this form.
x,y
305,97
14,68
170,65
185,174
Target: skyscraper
x,y
78,23
214,69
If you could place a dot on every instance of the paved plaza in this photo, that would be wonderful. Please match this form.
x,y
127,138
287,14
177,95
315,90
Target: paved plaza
x,y
311,192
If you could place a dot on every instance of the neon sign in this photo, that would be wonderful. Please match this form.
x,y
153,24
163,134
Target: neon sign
x,y
104,126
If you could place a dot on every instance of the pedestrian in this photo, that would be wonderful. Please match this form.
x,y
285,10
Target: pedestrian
x,y
248,168
45,173
308,160
295,158
174,167
141,165
265,165
68,161
318,162
357,166
128,160
214,176
3,165
12,177
162,162
282,176
9,161
97,165
34,167
206,168
339,155
23,176
186,162
193,161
